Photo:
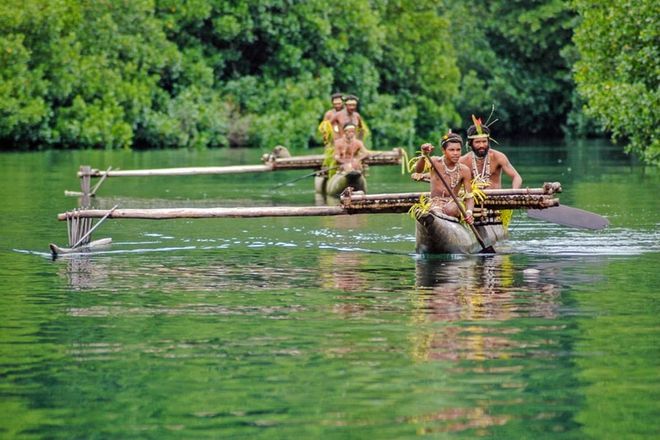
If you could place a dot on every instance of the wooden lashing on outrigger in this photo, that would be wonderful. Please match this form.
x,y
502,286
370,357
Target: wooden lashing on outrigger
x,y
85,183
77,228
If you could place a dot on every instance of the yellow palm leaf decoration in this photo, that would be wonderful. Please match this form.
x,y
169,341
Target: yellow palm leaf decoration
x,y
412,163
404,162
506,215
477,185
329,162
420,208
362,128
325,127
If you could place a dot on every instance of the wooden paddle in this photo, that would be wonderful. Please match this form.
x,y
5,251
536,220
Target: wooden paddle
x,y
571,217
484,249
315,173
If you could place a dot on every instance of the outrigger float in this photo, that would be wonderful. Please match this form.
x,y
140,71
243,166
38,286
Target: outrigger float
x,y
435,233
270,162
56,250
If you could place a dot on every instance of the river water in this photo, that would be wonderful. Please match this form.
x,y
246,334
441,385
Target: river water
x,y
326,327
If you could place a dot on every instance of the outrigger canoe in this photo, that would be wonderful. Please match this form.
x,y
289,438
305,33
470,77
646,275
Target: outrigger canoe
x,y
435,233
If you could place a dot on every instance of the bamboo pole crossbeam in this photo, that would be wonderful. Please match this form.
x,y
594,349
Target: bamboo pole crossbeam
x,y
297,163
496,202
393,157
527,198
546,189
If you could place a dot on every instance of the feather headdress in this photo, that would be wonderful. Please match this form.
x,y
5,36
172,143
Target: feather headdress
x,y
478,125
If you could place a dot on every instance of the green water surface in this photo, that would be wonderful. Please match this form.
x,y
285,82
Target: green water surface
x,y
325,327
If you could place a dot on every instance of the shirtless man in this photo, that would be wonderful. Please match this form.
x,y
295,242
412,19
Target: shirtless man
x,y
349,151
485,163
337,104
348,114
328,130
454,173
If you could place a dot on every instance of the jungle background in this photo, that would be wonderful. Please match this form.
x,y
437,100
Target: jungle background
x,y
226,73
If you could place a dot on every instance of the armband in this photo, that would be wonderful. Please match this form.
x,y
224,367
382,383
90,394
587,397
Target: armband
x,y
468,195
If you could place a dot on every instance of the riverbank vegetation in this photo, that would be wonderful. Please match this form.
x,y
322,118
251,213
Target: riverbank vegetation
x,y
214,73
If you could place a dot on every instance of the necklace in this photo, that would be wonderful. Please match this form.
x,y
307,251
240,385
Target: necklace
x,y
454,174
484,176
348,149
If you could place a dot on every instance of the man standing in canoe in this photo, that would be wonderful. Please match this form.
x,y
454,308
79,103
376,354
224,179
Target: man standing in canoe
x,y
328,129
337,104
455,174
349,114
349,151
486,164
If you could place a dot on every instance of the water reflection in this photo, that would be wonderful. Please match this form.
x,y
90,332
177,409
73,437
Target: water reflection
x,y
81,272
341,271
479,288
487,320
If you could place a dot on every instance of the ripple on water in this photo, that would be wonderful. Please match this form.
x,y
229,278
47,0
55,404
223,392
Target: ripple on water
x,y
544,238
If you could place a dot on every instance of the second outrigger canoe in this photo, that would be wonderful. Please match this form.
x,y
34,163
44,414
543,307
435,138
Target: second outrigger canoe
x,y
338,182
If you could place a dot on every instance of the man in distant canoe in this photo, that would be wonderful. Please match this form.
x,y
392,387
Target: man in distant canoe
x,y
486,164
337,105
349,151
327,129
455,174
349,114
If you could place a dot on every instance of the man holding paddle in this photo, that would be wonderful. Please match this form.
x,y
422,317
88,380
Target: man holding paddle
x,y
455,175
349,151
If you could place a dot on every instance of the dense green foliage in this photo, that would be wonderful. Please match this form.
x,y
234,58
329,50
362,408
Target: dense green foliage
x,y
510,56
167,73
619,70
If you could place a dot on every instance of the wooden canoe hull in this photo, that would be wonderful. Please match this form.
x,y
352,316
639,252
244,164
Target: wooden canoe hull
x,y
439,234
339,181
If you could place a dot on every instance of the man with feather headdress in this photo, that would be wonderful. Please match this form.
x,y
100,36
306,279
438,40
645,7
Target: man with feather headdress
x,y
485,163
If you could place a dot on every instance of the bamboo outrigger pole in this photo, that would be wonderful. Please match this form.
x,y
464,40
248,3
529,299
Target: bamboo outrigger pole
x,y
163,214
190,171
393,157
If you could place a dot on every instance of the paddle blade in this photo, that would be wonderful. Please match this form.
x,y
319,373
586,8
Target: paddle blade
x,y
571,217
487,250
